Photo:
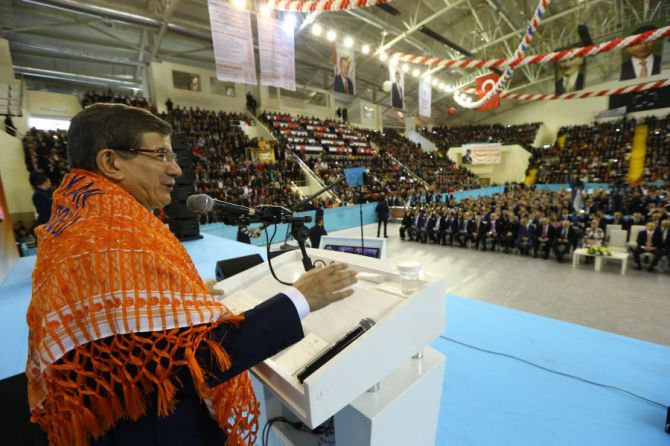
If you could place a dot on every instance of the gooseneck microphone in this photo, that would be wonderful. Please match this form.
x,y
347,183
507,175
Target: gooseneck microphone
x,y
202,203
363,326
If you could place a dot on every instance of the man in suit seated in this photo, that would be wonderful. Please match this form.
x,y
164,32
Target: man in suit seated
x,y
665,238
478,231
442,226
342,82
406,224
451,229
492,232
526,236
637,220
464,230
543,241
421,227
510,233
413,230
650,242
432,227
564,238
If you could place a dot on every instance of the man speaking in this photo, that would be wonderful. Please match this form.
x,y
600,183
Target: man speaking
x,y
126,344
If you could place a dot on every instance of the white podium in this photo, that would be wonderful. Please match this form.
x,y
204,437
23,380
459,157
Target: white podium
x,y
385,387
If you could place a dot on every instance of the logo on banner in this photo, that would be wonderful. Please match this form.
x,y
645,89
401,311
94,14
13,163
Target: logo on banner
x,y
484,85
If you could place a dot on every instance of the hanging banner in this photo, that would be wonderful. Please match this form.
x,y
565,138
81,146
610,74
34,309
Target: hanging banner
x,y
424,97
397,77
643,60
344,69
481,153
277,53
233,43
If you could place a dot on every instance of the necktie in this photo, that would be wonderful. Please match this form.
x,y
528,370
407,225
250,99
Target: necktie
x,y
643,69
346,87
565,233
400,90
545,232
648,240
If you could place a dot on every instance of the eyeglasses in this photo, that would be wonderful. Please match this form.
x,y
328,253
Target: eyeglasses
x,y
167,156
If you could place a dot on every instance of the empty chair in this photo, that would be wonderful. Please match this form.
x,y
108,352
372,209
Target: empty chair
x,y
634,230
617,239
610,228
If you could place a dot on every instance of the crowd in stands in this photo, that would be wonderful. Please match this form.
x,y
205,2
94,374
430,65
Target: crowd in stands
x,y
600,152
314,136
45,152
537,223
109,96
435,168
456,136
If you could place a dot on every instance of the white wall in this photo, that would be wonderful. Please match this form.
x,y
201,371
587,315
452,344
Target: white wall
x,y
512,168
162,88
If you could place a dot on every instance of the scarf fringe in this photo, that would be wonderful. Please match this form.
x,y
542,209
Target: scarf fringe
x,y
82,404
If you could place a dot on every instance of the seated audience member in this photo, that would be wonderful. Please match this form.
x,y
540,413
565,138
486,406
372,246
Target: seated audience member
x,y
526,236
649,242
413,231
665,239
406,224
564,239
510,233
493,231
421,227
316,232
432,227
543,241
464,230
478,230
594,235
451,228
41,197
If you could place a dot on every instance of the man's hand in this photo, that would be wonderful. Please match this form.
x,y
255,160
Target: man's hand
x,y
321,286
209,283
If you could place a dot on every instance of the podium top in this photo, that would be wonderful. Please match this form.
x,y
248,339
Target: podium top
x,y
404,324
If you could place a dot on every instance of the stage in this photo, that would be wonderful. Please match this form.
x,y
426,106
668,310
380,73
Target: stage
x,y
488,399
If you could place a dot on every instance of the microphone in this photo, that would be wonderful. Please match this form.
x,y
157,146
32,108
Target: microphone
x,y
202,203
363,326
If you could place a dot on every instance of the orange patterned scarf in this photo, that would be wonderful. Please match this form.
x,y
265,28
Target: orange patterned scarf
x,y
106,270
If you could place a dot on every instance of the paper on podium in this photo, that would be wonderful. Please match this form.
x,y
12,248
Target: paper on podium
x,y
293,359
241,301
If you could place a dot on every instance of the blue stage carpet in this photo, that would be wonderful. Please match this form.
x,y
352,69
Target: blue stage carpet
x,y
493,400
487,399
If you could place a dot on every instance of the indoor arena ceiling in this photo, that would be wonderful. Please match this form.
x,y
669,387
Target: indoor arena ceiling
x,y
58,44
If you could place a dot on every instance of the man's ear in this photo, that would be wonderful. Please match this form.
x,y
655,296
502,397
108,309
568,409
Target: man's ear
x,y
107,161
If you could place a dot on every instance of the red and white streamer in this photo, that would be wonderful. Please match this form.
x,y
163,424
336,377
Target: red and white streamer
x,y
586,51
322,5
581,94
466,102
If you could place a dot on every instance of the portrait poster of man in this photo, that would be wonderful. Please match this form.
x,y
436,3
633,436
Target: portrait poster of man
x,y
570,75
643,60
344,67
397,78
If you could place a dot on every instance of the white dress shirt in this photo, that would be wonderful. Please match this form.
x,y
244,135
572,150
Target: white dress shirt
x,y
298,300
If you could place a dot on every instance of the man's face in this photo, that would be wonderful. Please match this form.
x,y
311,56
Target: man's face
x,y
641,51
570,66
650,227
397,78
344,67
146,176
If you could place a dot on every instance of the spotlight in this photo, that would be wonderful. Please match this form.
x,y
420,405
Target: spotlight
x,y
331,35
393,62
240,4
426,76
316,29
383,57
266,11
434,83
416,72
405,68
365,49
348,42
441,85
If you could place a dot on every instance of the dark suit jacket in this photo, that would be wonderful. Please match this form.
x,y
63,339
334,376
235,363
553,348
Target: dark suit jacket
x,y
42,201
527,231
266,330
396,100
656,239
539,233
628,72
432,222
315,233
339,85
382,211
558,235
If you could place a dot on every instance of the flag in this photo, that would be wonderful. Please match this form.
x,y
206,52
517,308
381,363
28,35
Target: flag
x,y
484,85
